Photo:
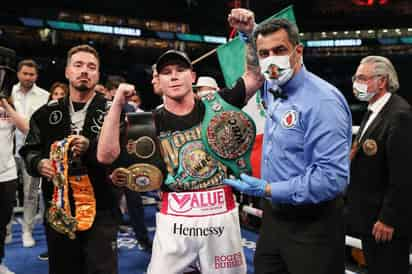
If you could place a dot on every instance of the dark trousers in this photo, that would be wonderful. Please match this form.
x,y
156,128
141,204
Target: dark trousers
x,y
7,200
388,257
136,214
291,244
92,252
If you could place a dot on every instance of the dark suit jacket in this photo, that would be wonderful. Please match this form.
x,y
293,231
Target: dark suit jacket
x,y
381,184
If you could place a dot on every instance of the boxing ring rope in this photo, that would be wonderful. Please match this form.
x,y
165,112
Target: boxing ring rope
x,y
349,240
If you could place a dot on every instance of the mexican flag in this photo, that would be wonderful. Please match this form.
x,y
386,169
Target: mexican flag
x,y
232,63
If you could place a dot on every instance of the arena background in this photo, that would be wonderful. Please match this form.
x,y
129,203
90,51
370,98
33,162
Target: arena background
x,y
336,34
318,20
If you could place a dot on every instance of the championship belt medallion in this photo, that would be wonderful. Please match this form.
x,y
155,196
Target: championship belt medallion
x,y
370,147
144,177
228,134
145,174
197,169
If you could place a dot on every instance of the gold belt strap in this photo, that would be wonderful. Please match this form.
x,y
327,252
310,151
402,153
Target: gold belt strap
x,y
59,214
84,201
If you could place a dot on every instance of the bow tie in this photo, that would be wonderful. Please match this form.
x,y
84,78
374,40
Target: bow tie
x,y
278,94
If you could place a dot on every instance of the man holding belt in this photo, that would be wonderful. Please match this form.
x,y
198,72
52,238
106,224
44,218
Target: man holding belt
x,y
305,158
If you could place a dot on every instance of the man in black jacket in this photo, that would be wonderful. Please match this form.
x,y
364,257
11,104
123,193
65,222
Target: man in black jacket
x,y
80,116
379,192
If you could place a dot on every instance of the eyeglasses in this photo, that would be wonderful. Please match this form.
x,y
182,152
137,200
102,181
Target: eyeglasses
x,y
363,78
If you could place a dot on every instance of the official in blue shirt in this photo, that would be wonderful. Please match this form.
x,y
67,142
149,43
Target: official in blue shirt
x,y
305,158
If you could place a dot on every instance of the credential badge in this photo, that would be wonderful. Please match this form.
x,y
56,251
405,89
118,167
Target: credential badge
x,y
289,119
370,147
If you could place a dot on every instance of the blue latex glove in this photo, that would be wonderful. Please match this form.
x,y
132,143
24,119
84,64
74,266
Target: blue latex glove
x,y
248,185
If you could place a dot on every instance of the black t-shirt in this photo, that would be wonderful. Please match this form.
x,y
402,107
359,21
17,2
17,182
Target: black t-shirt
x,y
180,138
78,106
169,124
167,121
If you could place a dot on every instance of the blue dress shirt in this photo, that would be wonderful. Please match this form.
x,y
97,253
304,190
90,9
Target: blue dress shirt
x,y
307,141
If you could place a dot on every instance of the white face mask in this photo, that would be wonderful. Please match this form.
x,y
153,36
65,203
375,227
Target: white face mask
x,y
276,68
361,92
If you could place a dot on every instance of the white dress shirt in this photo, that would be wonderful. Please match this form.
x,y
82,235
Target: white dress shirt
x,y
376,107
26,103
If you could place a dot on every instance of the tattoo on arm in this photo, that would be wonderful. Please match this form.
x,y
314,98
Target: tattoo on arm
x,y
252,76
252,61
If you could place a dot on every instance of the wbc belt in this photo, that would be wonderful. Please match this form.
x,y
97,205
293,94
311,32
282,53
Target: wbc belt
x,y
228,134
145,174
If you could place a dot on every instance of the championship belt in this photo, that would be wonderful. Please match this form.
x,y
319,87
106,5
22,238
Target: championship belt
x,y
59,214
228,134
197,169
144,149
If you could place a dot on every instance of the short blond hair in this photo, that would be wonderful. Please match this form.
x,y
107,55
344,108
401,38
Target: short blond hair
x,y
82,48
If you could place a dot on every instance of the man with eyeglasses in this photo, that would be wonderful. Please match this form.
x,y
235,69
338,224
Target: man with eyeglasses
x,y
380,189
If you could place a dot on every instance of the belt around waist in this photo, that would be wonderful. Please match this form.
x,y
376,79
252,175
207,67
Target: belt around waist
x,y
198,203
288,211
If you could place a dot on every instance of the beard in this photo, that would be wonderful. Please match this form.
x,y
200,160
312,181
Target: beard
x,y
27,84
83,88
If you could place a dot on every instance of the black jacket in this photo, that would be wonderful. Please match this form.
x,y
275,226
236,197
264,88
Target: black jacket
x,y
381,184
52,122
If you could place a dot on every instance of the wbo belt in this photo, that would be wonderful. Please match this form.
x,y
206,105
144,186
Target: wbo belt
x,y
228,133
59,215
198,203
145,174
